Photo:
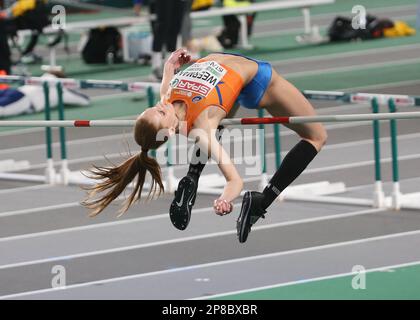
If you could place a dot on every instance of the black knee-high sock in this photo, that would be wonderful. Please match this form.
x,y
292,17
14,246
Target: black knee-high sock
x,y
292,166
199,160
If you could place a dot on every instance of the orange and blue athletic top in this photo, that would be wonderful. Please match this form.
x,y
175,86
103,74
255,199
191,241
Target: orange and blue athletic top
x,y
205,83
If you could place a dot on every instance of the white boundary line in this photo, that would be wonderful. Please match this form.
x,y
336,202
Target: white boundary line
x,y
360,164
284,284
153,216
381,85
358,53
218,263
55,207
23,189
68,143
39,209
171,241
363,186
351,68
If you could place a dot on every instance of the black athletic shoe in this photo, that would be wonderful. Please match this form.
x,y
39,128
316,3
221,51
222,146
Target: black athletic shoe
x,y
251,211
180,211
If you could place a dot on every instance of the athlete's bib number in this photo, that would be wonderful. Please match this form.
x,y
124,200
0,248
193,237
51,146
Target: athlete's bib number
x,y
199,78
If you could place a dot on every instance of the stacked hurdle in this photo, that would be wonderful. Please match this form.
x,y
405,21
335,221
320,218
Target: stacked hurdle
x,y
65,176
396,200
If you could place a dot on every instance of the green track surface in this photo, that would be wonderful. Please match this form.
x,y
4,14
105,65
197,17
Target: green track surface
x,y
397,284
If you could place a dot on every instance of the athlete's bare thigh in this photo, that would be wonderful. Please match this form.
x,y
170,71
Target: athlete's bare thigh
x,y
282,99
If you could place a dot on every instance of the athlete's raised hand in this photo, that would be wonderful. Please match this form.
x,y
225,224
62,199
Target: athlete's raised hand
x,y
178,58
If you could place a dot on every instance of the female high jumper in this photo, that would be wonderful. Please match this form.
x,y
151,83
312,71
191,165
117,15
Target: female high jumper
x,y
196,100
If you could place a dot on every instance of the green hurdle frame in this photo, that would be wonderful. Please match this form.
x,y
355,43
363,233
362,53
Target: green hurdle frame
x,y
49,171
396,194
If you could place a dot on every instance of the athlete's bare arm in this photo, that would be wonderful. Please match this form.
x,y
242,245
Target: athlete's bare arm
x,y
234,184
176,60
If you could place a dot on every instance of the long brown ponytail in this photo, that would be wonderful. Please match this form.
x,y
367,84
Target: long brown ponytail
x,y
114,180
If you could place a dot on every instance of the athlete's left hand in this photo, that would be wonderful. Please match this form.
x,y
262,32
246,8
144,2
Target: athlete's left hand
x,y
222,207
178,58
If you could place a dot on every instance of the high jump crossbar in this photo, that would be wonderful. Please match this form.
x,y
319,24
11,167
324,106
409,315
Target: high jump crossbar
x,y
236,121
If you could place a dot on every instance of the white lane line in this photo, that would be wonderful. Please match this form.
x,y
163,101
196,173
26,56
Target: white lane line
x,y
364,186
218,263
369,141
360,164
68,143
54,207
153,216
180,240
40,209
118,95
329,277
345,54
24,189
19,131
351,68
381,86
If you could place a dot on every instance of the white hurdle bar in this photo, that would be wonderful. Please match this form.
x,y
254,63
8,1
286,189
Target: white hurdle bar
x,y
70,83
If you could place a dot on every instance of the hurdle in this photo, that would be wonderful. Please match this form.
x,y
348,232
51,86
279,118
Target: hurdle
x,y
242,121
379,197
65,176
397,200
238,121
